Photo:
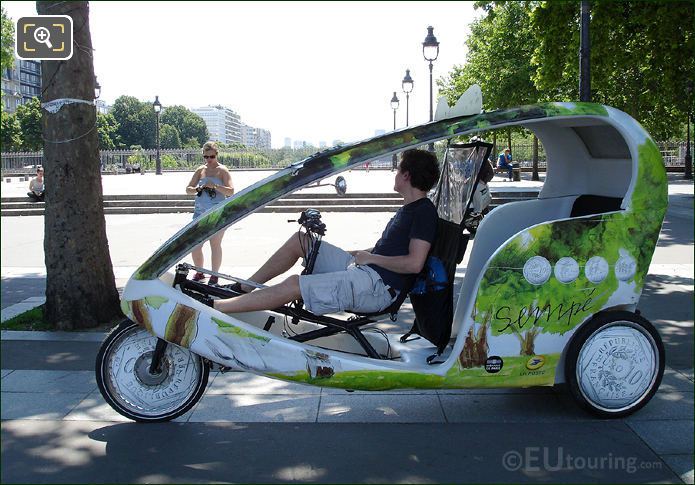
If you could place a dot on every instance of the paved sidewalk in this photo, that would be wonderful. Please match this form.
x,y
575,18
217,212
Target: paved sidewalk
x,y
665,425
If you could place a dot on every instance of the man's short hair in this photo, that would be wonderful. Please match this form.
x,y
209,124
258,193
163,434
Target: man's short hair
x,y
422,166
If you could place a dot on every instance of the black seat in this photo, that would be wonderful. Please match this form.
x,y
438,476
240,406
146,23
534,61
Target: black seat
x,y
594,204
391,310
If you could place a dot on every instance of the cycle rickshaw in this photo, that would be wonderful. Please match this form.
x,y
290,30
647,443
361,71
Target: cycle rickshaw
x,y
549,293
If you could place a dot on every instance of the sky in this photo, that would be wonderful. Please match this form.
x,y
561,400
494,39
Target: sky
x,y
313,71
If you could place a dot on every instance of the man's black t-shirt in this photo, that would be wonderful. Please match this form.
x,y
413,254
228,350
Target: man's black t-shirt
x,y
417,220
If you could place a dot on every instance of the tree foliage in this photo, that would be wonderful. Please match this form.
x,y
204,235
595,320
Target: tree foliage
x,y
169,137
29,116
499,59
107,126
191,142
641,57
499,54
7,53
11,133
188,124
136,121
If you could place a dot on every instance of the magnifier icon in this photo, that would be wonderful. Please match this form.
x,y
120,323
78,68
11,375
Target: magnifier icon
x,y
43,36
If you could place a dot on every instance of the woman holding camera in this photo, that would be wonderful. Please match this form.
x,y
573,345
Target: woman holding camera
x,y
211,183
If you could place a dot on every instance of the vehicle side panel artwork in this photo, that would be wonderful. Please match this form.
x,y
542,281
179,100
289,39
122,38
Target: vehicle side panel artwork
x,y
550,278
535,291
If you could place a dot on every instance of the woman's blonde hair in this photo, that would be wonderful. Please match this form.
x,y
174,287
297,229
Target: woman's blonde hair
x,y
210,146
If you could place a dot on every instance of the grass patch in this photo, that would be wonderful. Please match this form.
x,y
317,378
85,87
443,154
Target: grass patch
x,y
29,320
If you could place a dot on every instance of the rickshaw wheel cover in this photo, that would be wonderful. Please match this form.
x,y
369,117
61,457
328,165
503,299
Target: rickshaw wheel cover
x,y
128,346
617,353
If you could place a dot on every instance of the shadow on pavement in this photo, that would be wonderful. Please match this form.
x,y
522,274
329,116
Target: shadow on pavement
x,y
673,296
80,452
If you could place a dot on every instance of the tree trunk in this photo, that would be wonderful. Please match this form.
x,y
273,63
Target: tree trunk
x,y
528,342
509,140
494,146
534,175
80,286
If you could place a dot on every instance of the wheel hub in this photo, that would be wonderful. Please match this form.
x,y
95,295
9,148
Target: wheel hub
x,y
142,370
617,366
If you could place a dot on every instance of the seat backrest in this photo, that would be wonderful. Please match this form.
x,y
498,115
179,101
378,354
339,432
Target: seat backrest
x,y
595,204
449,246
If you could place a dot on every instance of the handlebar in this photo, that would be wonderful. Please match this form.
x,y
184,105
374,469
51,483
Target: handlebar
x,y
310,219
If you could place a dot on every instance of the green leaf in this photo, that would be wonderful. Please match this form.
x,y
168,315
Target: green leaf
x,y
155,301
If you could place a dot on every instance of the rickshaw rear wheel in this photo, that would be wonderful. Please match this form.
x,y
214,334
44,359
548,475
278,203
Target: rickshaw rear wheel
x,y
614,364
128,385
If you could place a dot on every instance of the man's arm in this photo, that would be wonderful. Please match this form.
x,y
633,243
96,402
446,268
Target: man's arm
x,y
410,263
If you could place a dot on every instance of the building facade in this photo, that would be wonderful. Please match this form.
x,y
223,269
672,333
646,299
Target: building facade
x,y
255,137
248,135
102,107
20,84
224,124
263,138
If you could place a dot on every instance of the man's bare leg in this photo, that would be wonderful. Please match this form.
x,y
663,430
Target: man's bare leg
x,y
281,261
263,299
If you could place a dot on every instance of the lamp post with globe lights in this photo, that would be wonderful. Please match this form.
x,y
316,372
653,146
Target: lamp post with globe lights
x,y
157,110
394,107
430,51
408,85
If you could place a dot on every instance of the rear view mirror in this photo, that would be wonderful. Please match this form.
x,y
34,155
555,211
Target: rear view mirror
x,y
340,185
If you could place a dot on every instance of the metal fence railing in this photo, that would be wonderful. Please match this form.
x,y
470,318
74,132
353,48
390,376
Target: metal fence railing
x,y
114,161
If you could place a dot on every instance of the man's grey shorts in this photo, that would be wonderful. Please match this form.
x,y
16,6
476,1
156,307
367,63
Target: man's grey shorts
x,y
338,284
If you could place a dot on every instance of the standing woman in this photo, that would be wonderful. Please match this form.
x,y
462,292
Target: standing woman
x,y
211,183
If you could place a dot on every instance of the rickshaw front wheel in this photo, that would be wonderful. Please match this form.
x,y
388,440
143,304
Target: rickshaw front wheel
x,y
129,385
614,364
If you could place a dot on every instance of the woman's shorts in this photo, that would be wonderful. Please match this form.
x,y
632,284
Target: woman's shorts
x,y
338,284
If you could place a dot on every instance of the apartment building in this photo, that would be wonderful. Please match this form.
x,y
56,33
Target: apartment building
x,y
224,124
20,83
255,137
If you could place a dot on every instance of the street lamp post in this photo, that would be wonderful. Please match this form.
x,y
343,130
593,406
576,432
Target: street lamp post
x,y
157,109
407,84
394,107
430,51
688,158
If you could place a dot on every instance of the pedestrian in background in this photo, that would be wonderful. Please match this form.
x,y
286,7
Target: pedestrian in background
x,y
212,184
37,186
505,162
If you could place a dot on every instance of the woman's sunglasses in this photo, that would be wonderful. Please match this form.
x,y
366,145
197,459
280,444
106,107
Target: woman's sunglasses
x,y
206,157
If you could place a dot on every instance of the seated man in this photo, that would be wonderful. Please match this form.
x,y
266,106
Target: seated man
x,y
505,162
361,281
